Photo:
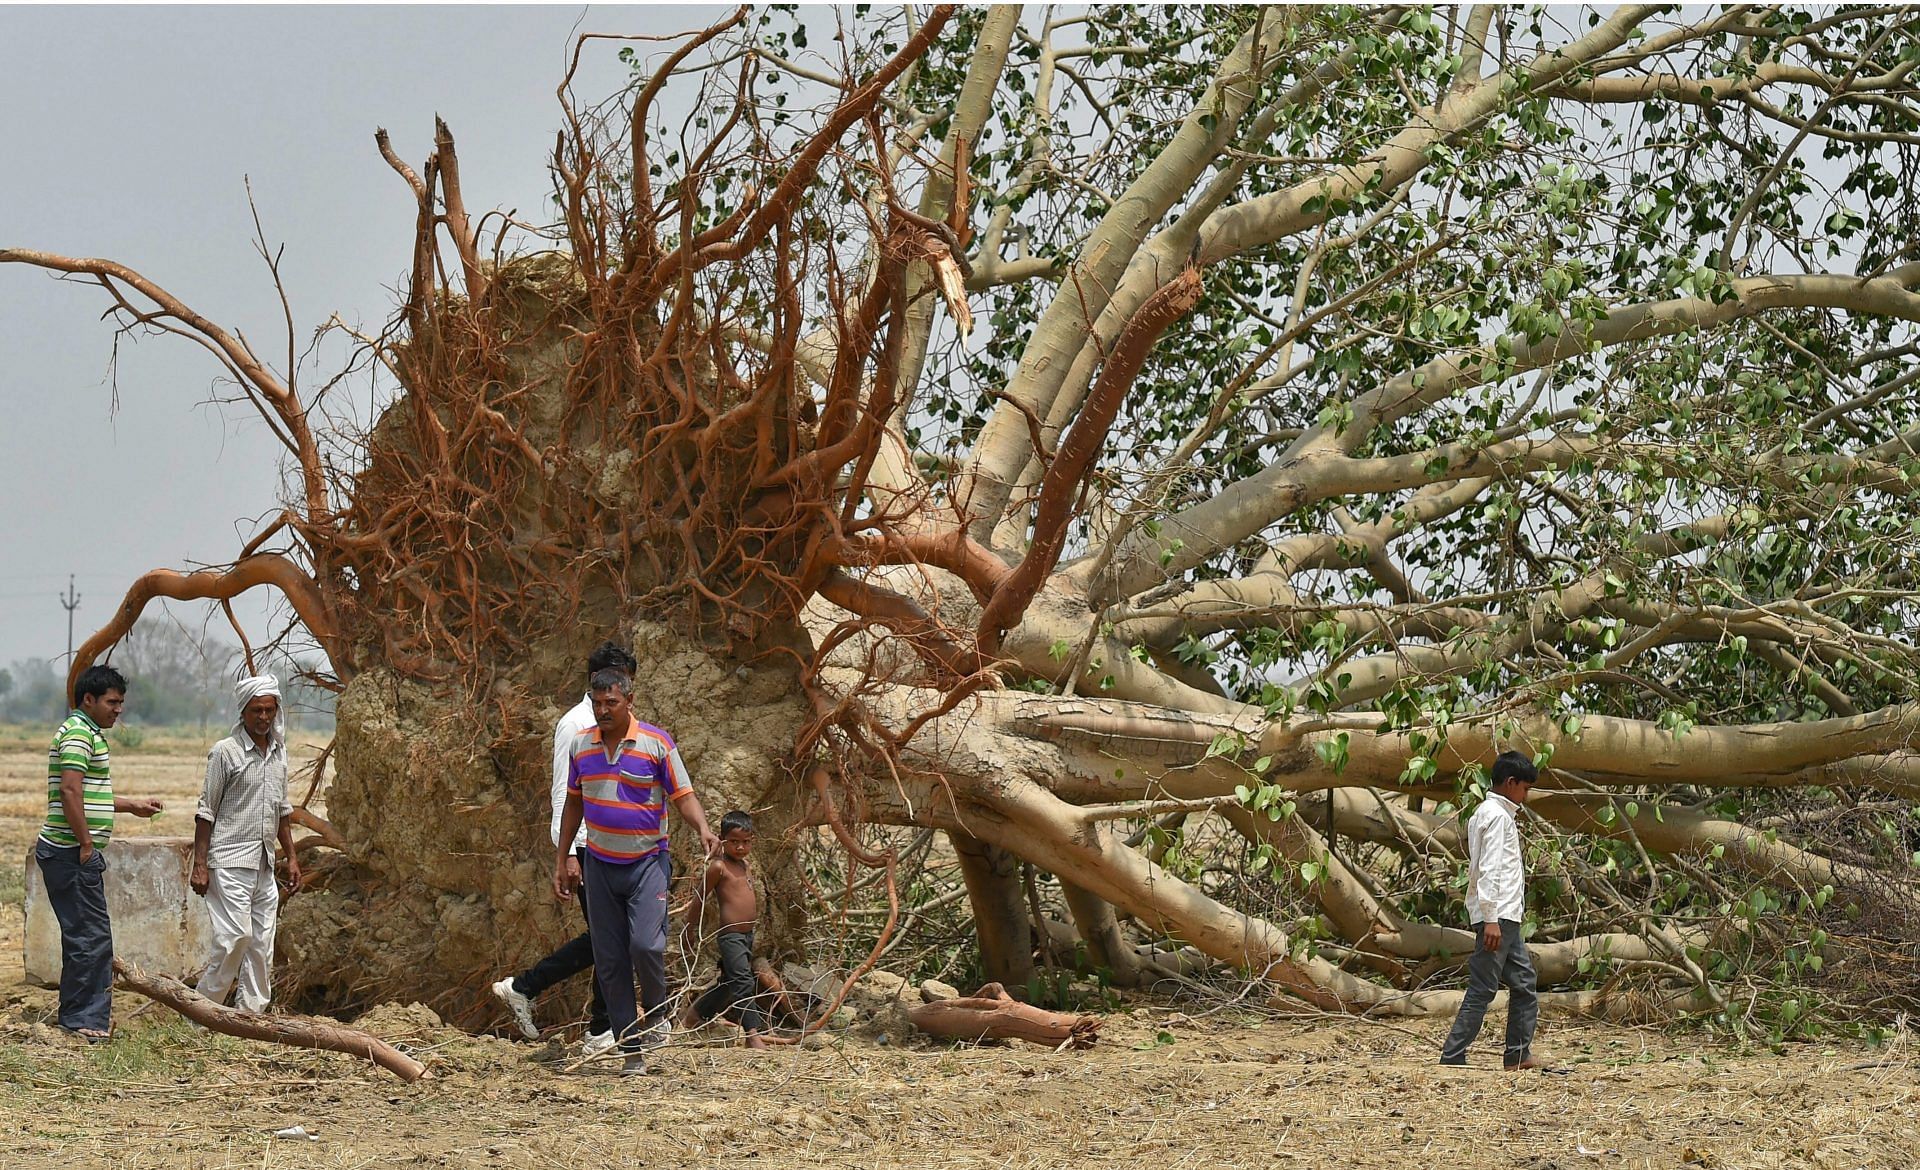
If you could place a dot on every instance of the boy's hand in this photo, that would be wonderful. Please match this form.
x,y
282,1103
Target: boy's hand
x,y
566,877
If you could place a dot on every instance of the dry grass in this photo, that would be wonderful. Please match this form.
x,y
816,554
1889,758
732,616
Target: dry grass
x,y
1162,1090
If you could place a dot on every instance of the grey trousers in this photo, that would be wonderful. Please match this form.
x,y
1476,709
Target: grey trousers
x,y
737,994
627,919
1486,971
79,896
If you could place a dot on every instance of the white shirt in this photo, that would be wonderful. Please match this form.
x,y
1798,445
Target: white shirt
x,y
244,797
571,724
1496,875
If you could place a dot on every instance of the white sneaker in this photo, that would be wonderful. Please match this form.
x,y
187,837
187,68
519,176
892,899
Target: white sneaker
x,y
655,1036
519,1005
598,1043
634,1066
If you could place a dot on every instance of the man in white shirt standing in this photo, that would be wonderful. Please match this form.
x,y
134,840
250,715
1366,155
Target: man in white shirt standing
x,y
1497,904
575,955
244,809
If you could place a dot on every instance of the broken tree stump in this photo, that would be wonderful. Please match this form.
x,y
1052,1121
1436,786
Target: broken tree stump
x,y
992,1014
299,1031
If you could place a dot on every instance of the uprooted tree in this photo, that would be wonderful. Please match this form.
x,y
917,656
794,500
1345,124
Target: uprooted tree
x,y
1168,452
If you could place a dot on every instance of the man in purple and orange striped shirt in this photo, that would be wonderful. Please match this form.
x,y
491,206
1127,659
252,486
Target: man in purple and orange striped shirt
x,y
623,776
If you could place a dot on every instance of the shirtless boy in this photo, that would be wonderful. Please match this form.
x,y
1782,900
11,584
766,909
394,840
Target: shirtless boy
x,y
729,886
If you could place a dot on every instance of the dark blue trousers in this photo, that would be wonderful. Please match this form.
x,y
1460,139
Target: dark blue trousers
x,y
627,918
79,896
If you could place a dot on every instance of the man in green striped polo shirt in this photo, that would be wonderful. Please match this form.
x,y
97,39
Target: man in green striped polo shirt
x,y
80,808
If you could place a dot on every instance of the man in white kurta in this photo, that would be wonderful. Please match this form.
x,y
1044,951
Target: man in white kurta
x,y
1497,905
244,809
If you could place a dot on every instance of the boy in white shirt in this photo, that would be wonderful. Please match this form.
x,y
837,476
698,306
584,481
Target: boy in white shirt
x,y
1496,904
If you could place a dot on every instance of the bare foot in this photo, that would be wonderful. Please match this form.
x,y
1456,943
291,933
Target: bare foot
x,y
1529,1062
91,1035
754,1040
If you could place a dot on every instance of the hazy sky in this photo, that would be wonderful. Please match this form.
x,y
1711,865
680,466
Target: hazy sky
x,y
126,133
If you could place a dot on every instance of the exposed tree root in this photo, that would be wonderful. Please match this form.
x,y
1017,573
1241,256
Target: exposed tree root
x,y
223,585
299,1031
992,1014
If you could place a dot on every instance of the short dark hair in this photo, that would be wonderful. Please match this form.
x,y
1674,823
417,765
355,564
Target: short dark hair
x,y
1514,767
611,656
95,681
611,679
739,818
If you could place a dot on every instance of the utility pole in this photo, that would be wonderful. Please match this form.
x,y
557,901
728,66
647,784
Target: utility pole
x,y
71,601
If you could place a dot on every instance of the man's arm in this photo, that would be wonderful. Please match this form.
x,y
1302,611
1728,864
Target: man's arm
x,y
562,767
199,879
680,794
1481,859
286,847
212,790
566,868
73,802
1498,869
688,806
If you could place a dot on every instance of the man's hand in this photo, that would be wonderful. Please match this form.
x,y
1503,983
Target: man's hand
x,y
566,877
1490,937
709,842
143,806
87,851
293,875
200,879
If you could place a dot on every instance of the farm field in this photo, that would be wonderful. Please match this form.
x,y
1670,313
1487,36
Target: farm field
x,y
1169,1085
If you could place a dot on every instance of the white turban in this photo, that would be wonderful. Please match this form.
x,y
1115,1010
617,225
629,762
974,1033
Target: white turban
x,y
252,687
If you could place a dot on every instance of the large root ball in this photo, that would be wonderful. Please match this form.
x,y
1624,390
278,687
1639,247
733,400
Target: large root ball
x,y
445,806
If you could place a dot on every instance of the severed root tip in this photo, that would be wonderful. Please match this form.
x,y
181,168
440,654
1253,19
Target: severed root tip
x,y
992,1014
299,1031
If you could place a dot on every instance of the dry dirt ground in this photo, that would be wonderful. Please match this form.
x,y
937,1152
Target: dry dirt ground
x,y
1168,1085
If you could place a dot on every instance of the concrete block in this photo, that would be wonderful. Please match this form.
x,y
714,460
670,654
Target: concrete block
x,y
158,921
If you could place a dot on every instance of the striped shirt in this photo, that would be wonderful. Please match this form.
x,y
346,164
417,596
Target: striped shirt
x,y
79,746
624,800
244,797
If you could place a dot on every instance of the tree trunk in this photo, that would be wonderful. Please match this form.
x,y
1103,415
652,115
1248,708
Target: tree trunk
x,y
1000,917
1107,946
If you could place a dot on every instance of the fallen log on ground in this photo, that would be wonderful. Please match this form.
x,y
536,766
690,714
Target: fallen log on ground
x,y
992,1014
299,1031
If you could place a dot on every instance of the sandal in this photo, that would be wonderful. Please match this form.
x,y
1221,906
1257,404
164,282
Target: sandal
x,y
90,1035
